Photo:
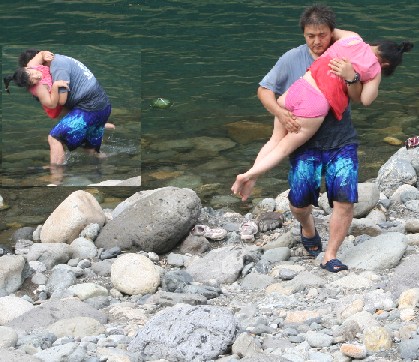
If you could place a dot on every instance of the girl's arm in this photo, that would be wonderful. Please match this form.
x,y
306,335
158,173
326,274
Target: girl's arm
x,y
365,93
338,34
370,90
44,56
48,99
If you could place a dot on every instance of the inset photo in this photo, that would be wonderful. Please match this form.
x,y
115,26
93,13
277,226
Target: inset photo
x,y
71,115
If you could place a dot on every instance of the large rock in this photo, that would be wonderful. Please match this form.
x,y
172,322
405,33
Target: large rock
x,y
135,274
404,276
17,355
66,222
156,222
76,327
8,337
379,253
51,311
222,265
186,333
397,171
12,307
368,197
11,277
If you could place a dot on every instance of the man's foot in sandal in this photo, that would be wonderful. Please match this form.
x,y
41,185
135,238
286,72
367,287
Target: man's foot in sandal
x,y
334,266
312,245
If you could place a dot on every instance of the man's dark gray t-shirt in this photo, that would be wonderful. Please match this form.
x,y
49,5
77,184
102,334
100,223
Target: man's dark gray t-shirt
x,y
293,65
85,91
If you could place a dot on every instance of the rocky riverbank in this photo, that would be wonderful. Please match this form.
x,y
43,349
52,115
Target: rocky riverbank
x,y
160,277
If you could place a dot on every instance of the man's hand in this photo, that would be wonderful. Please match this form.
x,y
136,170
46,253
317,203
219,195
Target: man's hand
x,y
289,121
342,68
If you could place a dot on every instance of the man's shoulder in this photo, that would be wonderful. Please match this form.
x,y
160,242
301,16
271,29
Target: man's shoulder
x,y
301,50
58,59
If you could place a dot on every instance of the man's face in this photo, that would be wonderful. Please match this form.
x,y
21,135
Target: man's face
x,y
318,39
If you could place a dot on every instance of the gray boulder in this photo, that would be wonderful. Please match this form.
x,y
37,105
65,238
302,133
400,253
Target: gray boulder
x,y
49,254
222,265
378,253
404,276
17,355
156,222
397,171
25,233
53,310
368,196
186,333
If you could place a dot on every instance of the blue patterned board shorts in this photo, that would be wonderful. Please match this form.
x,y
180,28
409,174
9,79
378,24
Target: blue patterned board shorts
x,y
340,168
80,128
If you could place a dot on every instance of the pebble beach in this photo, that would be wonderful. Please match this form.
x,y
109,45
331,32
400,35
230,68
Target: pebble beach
x,y
161,277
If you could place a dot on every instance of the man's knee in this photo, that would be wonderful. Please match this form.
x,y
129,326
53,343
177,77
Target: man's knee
x,y
52,141
300,210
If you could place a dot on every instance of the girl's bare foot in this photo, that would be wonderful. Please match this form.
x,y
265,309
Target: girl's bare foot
x,y
109,125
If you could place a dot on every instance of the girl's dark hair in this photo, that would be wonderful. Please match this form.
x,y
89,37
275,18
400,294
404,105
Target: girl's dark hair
x,y
392,53
26,56
20,78
318,14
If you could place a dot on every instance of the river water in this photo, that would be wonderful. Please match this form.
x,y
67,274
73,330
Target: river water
x,y
205,57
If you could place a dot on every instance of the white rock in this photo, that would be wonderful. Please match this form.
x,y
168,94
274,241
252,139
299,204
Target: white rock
x,y
135,274
12,307
70,217
88,290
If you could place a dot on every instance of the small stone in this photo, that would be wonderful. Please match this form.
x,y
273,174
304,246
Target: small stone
x,y
393,141
409,298
377,339
407,314
354,350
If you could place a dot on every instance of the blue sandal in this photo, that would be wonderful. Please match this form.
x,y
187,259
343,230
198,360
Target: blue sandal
x,y
312,245
334,266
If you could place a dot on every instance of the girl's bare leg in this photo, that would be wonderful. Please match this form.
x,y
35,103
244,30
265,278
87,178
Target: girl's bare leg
x,y
288,144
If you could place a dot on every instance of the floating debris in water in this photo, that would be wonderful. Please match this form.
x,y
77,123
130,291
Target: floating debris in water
x,y
161,103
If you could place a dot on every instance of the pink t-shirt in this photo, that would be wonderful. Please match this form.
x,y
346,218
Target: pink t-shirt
x,y
333,87
47,80
359,54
